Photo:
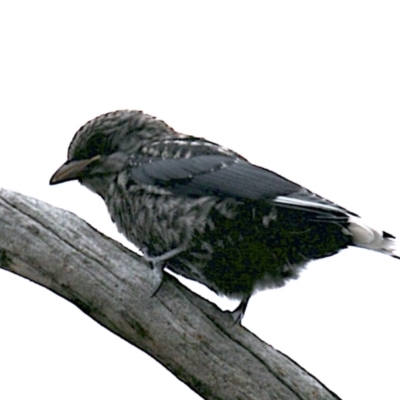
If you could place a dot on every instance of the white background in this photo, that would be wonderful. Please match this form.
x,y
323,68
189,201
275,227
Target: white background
x,y
309,89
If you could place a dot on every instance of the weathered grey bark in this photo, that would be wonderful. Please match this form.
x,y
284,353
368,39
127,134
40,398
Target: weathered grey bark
x,y
184,332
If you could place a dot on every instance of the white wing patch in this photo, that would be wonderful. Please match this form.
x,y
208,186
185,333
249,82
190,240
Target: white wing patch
x,y
304,203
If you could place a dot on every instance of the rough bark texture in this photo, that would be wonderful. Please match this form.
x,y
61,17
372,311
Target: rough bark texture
x,y
185,333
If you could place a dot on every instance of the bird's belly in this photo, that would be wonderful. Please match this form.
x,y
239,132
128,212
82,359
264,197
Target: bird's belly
x,y
261,246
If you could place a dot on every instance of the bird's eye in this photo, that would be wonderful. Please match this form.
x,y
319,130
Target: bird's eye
x,y
98,144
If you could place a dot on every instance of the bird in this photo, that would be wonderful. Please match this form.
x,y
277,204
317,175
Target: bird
x,y
204,211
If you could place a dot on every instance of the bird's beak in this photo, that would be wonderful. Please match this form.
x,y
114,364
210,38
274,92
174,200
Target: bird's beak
x,y
71,170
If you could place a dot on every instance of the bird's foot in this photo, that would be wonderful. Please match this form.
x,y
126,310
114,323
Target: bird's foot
x,y
238,313
158,264
157,277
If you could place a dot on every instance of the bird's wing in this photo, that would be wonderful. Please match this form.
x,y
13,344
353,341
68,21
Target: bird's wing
x,y
212,175
229,176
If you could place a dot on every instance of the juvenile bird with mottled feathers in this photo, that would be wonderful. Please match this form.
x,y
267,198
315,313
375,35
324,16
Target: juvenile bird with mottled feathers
x,y
204,211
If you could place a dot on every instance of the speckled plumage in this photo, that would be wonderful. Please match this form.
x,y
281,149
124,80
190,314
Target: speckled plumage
x,y
203,210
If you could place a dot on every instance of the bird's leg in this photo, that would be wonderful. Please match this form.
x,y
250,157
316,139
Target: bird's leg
x,y
158,264
238,313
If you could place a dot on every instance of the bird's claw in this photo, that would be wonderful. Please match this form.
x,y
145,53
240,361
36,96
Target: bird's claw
x,y
157,277
158,264
238,313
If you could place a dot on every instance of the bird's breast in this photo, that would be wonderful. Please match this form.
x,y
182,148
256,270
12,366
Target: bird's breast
x,y
157,220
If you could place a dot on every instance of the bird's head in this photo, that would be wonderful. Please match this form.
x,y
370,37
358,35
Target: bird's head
x,y
101,148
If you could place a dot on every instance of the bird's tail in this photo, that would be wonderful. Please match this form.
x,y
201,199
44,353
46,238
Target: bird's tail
x,y
373,239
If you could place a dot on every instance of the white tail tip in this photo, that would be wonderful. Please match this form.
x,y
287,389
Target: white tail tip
x,y
371,238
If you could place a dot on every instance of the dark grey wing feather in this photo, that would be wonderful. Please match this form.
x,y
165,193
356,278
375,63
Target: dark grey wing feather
x,y
212,175
224,176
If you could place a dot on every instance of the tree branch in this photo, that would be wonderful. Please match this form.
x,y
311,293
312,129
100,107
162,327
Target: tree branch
x,y
185,333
